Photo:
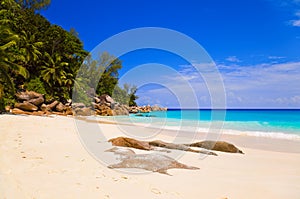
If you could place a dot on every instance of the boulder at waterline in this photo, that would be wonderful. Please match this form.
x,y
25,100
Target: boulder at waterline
x,y
217,146
129,142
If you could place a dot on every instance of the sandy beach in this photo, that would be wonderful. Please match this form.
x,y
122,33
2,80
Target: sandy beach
x,y
43,157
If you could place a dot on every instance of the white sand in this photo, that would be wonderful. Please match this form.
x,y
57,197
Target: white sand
x,y
42,157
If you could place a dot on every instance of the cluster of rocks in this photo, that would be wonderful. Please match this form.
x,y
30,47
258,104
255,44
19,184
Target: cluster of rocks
x,y
204,146
146,109
33,103
104,105
158,162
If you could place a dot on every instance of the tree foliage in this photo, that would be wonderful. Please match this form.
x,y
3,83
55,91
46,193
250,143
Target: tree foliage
x,y
34,51
101,77
34,4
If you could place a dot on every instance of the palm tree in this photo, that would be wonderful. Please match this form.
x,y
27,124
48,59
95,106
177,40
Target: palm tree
x,y
53,72
29,48
8,59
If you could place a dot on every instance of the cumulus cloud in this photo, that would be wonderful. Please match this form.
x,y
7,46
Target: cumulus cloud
x,y
276,57
262,85
266,85
233,59
296,22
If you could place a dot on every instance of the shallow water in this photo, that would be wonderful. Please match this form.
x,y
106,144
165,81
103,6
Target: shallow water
x,y
265,123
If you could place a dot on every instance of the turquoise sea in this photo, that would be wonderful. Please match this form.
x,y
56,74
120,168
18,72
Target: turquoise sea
x,y
266,123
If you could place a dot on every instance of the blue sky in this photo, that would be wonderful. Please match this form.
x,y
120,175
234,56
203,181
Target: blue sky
x,y
254,43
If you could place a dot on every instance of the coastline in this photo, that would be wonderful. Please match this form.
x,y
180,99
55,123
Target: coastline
x,y
277,144
42,157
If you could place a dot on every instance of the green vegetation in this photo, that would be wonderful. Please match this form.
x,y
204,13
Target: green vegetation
x,y
43,57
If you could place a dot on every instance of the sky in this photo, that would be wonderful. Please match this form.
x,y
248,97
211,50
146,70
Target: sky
x,y
254,45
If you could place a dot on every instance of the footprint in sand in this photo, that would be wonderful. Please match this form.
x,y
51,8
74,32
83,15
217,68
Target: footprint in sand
x,y
155,191
115,179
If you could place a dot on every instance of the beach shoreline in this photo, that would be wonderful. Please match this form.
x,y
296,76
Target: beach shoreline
x,y
43,157
245,140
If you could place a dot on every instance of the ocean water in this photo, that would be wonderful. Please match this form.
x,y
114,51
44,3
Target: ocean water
x,y
264,123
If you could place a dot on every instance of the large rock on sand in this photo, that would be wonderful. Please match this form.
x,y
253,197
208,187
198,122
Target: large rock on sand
x,y
27,95
37,101
182,147
26,106
129,142
83,111
60,107
217,146
44,107
120,110
17,111
107,98
52,105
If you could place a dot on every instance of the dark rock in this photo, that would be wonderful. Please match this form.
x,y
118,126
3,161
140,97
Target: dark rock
x,y
78,105
158,108
69,110
133,109
83,111
37,101
60,107
17,111
120,110
44,107
107,98
97,100
53,105
38,113
129,142
217,146
163,144
26,106
27,95
107,104
182,147
103,110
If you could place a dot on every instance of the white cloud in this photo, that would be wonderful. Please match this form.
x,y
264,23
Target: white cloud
x,y
295,23
263,85
275,57
266,85
233,59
